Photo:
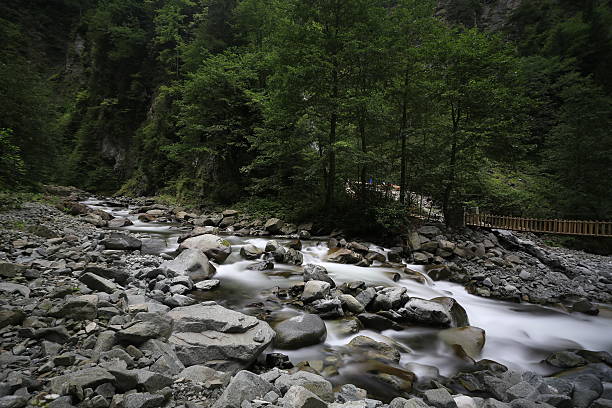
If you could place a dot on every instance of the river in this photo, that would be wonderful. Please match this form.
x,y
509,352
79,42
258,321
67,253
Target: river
x,y
517,335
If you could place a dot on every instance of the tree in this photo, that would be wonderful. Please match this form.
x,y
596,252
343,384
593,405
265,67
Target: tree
x,y
475,81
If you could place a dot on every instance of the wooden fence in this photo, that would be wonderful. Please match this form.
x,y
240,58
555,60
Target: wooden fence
x,y
565,227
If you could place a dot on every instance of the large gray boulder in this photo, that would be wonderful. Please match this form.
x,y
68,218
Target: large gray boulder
x,y
312,382
126,242
83,307
299,397
300,331
144,327
470,339
314,290
245,386
373,350
344,256
208,332
98,283
86,378
250,252
192,263
317,272
273,225
215,247
389,298
442,312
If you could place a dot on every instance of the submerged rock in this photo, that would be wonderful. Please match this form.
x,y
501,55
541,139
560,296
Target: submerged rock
x,y
470,339
373,350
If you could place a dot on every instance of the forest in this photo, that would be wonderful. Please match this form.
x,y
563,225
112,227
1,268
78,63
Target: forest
x,y
313,108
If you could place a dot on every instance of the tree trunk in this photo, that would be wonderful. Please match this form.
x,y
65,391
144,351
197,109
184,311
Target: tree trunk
x,y
362,177
333,123
403,136
452,168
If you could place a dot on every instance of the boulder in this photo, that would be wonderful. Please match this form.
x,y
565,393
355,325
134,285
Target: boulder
x,y
373,350
273,225
470,339
344,256
119,222
350,304
10,287
78,308
314,290
389,298
358,247
207,332
326,308
312,382
429,231
166,360
145,326
272,246
376,322
86,378
126,242
118,275
263,265
10,270
203,374
299,397
192,263
300,331
250,252
98,283
566,359
439,398
213,246
207,284
293,257
143,400
317,272
443,312
244,386
11,317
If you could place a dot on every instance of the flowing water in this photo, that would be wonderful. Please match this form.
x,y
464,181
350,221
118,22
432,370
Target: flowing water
x,y
517,335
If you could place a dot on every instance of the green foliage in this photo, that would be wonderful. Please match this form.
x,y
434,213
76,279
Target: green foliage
x,y
12,168
289,108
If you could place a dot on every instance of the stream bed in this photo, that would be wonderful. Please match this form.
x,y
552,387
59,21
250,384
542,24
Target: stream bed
x,y
517,335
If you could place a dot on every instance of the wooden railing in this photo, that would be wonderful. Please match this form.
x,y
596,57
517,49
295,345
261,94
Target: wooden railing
x,y
565,227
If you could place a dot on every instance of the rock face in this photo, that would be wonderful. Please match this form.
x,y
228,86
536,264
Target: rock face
x,y
208,332
300,331
119,241
214,247
192,263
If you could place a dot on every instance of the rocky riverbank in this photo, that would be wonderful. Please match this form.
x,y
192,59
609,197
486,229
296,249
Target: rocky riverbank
x,y
87,319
